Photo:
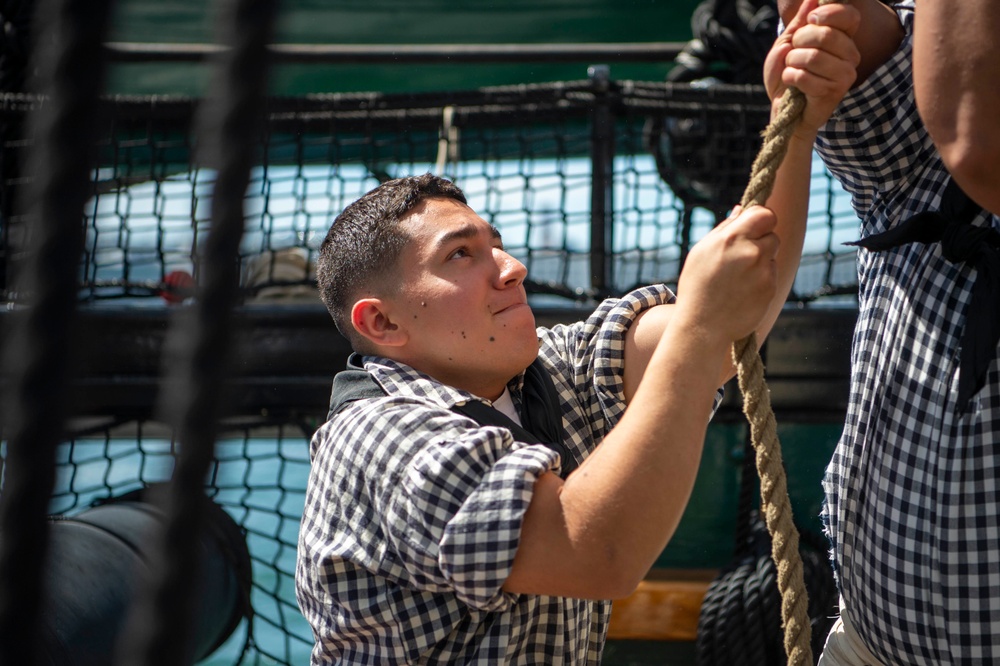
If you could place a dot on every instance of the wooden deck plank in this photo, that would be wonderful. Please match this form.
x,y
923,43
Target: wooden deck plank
x,y
664,607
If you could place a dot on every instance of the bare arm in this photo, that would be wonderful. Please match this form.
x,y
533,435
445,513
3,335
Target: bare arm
x,y
823,76
955,60
597,534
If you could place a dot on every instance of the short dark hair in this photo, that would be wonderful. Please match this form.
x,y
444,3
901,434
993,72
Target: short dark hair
x,y
364,242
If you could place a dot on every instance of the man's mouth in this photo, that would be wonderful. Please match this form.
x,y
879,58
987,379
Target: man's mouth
x,y
509,307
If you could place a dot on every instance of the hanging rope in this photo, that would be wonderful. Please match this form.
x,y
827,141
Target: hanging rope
x,y
40,352
15,52
775,505
159,631
740,619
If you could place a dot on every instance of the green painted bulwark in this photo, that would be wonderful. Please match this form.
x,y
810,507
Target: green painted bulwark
x,y
404,22
705,536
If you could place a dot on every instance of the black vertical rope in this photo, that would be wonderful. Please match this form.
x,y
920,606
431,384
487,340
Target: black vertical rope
x,y
15,44
15,54
159,628
69,58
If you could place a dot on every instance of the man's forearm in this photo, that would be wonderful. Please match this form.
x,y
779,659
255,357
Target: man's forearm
x,y
790,202
625,501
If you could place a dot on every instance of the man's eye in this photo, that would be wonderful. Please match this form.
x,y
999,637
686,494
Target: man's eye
x,y
460,252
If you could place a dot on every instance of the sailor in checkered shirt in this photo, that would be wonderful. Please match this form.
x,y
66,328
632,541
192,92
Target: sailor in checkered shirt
x,y
427,537
913,488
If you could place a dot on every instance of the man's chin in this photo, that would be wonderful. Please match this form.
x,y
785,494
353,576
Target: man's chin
x,y
530,353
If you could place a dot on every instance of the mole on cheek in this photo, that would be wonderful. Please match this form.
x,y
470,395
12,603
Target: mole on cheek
x,y
492,339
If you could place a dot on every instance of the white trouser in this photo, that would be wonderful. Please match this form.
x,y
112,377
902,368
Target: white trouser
x,y
844,647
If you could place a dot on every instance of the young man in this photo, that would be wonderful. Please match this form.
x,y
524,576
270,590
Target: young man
x,y
429,537
911,490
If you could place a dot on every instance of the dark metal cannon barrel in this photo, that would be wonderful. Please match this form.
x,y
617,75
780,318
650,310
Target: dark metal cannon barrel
x,y
95,560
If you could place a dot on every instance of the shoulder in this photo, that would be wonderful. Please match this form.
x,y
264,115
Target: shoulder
x,y
610,319
366,426
371,418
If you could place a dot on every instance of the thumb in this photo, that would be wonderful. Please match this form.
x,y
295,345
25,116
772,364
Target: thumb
x,y
754,222
733,214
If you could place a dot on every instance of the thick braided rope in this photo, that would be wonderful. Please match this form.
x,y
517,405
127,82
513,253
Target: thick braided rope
x,y
775,505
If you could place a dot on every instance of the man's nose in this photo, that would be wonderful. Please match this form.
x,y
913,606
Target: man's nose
x,y
512,271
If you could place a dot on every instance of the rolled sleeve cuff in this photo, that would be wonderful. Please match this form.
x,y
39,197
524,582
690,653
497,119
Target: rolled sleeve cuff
x,y
480,541
609,356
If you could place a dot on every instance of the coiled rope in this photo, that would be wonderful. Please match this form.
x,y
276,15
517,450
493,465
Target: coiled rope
x,y
775,505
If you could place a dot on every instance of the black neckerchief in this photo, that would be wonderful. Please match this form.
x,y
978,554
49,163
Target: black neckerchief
x,y
540,412
961,241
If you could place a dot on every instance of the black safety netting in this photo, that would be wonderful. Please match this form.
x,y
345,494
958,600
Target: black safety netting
x,y
596,185
663,160
258,477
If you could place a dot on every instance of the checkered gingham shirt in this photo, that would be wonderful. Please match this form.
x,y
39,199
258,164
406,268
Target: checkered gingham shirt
x,y
913,488
413,513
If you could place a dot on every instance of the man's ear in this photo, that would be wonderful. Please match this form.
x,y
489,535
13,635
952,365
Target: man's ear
x,y
370,318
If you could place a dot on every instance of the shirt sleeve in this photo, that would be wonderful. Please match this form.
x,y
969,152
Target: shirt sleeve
x,y
875,143
454,506
589,361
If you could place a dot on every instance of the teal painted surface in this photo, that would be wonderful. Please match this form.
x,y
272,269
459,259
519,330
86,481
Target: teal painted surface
x,y
404,22
704,538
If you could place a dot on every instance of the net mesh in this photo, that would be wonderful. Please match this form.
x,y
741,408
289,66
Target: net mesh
x,y
531,160
258,477
679,157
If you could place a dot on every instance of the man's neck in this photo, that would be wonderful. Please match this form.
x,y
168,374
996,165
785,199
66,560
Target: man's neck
x,y
488,389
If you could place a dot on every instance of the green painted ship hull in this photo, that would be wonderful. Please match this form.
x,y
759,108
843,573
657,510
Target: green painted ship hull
x,y
349,22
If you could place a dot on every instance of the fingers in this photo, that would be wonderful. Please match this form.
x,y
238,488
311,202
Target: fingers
x,y
733,214
730,278
821,58
755,243
774,63
818,72
825,48
816,53
838,15
745,242
755,226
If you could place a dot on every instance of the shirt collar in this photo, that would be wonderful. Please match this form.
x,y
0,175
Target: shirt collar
x,y
400,379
